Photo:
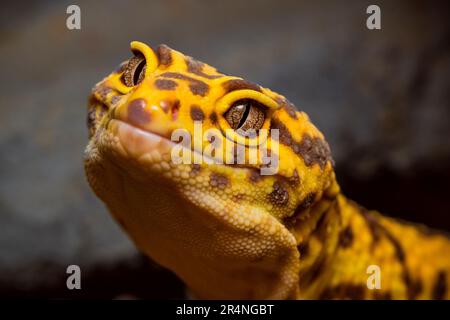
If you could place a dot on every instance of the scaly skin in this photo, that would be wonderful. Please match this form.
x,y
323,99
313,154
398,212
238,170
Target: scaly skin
x,y
226,230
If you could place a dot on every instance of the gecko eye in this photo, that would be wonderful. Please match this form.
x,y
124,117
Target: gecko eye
x,y
135,70
245,115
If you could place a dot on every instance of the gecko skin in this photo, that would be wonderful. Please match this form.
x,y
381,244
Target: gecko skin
x,y
227,230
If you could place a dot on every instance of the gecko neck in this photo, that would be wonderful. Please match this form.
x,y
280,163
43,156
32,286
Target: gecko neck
x,y
319,237
341,235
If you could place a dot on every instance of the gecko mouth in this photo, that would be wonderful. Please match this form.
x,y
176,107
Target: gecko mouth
x,y
138,143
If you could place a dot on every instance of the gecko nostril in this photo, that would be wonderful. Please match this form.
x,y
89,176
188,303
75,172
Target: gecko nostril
x,y
175,108
197,113
170,106
165,105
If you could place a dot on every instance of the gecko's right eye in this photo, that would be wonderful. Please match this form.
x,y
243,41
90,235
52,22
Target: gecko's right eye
x,y
245,114
135,70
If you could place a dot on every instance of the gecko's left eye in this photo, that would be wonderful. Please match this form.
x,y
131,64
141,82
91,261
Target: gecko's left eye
x,y
245,115
135,70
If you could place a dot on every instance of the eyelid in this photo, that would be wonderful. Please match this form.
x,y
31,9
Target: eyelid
x,y
151,61
227,101
118,84
150,57
224,104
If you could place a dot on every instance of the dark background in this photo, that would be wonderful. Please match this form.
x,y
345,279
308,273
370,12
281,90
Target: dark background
x,y
382,98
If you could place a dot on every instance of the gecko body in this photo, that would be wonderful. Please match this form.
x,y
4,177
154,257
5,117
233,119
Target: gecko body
x,y
227,230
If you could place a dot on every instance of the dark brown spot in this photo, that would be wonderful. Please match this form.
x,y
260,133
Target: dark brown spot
x,y
354,292
300,211
238,84
346,237
291,110
196,67
314,272
218,180
399,252
322,224
213,118
440,286
164,55
314,151
288,107
306,203
102,92
330,195
294,180
372,223
381,295
377,229
415,287
197,113
195,169
303,248
254,176
96,110
164,84
115,99
279,195
91,117
337,208
197,87
344,291
284,135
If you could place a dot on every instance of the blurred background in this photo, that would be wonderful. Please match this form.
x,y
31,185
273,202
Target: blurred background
x,y
382,98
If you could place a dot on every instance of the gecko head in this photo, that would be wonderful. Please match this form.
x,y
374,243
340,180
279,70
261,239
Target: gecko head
x,y
227,150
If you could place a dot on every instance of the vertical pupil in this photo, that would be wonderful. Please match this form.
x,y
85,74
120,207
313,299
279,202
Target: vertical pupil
x,y
245,115
138,71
